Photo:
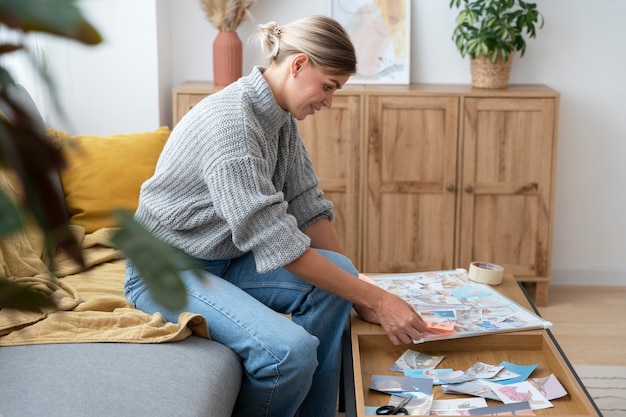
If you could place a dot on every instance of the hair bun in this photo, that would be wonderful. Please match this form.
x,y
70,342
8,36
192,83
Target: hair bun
x,y
277,30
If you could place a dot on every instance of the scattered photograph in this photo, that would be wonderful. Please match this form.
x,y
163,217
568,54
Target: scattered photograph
x,y
411,359
396,384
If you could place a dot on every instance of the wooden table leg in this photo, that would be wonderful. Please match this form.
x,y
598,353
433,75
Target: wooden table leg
x,y
347,396
541,294
538,292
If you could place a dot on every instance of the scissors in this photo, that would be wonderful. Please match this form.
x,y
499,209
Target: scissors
x,y
391,410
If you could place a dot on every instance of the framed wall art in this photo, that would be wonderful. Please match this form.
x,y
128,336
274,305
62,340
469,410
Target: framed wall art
x,y
381,33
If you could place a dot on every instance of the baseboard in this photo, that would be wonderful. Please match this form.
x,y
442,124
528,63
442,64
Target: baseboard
x,y
604,277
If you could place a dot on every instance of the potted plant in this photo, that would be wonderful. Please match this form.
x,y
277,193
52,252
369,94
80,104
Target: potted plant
x,y
490,32
226,16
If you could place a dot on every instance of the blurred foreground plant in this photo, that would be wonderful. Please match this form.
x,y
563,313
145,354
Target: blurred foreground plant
x,y
27,152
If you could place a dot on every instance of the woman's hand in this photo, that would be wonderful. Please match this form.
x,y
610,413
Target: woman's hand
x,y
366,314
399,320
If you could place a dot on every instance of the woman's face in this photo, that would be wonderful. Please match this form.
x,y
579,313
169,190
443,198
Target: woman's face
x,y
310,88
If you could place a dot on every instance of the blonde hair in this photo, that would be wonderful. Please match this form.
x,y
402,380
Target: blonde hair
x,y
321,38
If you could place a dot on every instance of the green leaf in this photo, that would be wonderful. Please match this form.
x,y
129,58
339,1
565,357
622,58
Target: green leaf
x,y
484,49
5,77
58,17
460,19
21,297
498,25
6,48
158,262
472,17
10,220
28,153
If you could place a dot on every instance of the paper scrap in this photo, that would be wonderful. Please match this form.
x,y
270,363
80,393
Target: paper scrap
x,y
395,384
411,359
549,387
428,373
518,392
513,409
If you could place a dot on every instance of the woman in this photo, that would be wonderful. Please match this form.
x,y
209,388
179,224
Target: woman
x,y
234,189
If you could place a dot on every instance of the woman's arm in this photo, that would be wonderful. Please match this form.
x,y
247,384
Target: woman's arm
x,y
400,321
323,236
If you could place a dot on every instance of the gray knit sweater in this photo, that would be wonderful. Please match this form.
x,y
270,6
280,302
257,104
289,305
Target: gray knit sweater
x,y
234,177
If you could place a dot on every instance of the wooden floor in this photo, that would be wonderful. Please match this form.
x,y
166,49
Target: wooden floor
x,y
589,323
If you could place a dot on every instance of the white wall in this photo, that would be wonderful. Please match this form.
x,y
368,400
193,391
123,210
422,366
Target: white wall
x,y
579,52
112,87
164,40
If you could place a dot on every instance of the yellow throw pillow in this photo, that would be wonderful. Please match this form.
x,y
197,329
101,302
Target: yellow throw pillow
x,y
104,173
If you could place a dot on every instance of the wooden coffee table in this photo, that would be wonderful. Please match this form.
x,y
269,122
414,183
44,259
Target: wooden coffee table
x,y
368,351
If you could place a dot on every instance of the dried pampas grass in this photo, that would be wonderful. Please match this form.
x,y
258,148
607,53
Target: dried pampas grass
x,y
226,15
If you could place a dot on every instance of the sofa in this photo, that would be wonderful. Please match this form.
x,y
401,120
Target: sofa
x,y
93,354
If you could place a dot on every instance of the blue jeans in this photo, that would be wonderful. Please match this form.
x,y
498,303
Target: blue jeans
x,y
291,366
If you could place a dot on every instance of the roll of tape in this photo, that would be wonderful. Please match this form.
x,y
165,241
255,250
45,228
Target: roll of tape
x,y
486,273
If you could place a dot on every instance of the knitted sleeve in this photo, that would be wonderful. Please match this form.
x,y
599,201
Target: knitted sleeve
x,y
256,213
306,201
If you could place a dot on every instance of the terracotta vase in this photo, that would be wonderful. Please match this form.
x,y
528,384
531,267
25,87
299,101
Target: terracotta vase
x,y
227,58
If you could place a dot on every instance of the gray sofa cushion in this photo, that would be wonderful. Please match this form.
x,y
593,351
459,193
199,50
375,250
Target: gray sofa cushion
x,y
194,377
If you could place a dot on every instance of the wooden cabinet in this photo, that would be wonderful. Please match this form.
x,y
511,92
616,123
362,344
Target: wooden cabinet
x,y
410,183
428,177
508,152
187,95
332,138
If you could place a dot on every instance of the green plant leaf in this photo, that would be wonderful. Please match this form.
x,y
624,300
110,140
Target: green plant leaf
x,y
28,153
157,262
10,220
460,18
484,49
492,27
6,48
21,297
58,17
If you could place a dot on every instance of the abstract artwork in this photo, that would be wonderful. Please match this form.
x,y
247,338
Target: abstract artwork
x,y
381,33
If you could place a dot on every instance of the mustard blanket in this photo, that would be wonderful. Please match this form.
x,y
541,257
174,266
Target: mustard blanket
x,y
90,303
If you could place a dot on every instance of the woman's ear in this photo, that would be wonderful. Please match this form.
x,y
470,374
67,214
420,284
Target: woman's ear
x,y
298,62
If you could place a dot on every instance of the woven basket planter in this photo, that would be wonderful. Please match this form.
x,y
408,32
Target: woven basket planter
x,y
487,74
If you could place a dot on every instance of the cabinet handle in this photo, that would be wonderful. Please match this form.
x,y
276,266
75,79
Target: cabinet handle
x,y
469,189
450,187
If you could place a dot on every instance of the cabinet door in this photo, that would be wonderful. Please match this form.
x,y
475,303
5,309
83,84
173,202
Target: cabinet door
x,y
331,138
412,172
508,149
